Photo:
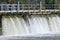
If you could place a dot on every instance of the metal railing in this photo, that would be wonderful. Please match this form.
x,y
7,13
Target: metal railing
x,y
18,7
28,6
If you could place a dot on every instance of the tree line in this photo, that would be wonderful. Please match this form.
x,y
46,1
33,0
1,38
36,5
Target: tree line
x,y
21,1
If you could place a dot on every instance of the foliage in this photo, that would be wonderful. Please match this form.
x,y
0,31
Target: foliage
x,y
21,1
25,1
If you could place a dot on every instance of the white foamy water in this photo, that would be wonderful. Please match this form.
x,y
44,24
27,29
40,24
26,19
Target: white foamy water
x,y
33,24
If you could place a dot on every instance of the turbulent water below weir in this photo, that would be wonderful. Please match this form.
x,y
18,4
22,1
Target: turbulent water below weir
x,y
32,24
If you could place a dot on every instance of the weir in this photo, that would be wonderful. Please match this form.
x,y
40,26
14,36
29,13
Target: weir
x,y
19,20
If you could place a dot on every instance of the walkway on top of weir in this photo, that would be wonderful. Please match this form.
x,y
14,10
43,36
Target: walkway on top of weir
x,y
31,8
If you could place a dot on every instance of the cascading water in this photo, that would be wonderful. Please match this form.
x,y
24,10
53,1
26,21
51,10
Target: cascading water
x,y
32,24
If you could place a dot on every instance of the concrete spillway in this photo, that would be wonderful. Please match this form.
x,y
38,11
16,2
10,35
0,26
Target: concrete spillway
x,y
31,25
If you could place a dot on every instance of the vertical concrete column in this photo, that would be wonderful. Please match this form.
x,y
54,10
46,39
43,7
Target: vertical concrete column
x,y
13,7
1,7
40,5
7,7
18,7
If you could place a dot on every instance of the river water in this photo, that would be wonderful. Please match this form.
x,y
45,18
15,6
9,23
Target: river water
x,y
31,24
